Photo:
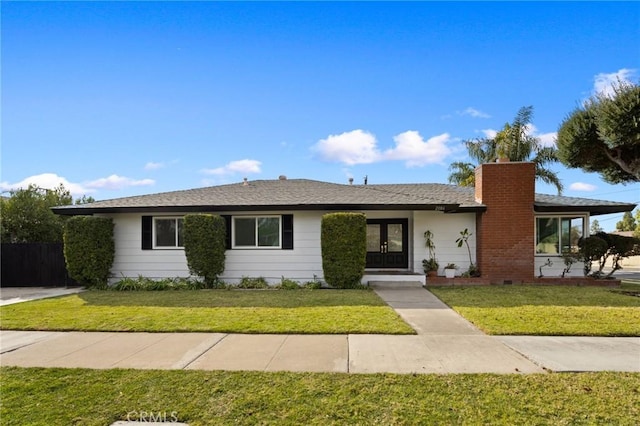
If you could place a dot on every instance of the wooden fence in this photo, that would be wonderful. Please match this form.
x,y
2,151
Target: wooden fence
x,y
34,265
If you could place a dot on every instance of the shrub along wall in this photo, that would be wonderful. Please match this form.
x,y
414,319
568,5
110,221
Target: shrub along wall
x,y
204,246
344,248
89,249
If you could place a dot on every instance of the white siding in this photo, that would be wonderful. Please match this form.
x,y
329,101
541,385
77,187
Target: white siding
x,y
131,261
300,264
446,230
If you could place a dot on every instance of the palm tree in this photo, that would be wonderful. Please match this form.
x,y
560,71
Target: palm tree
x,y
513,142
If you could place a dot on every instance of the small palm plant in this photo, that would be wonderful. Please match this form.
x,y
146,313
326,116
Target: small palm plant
x,y
464,239
430,264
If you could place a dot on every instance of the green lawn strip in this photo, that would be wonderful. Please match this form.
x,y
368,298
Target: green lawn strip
x,y
38,396
546,310
223,311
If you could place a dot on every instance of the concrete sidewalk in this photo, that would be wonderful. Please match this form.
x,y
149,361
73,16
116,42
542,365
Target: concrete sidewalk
x,y
445,343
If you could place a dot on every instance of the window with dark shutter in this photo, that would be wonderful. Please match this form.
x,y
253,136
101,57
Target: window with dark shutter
x,y
147,232
227,222
287,232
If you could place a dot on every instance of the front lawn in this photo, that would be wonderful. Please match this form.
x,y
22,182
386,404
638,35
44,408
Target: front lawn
x,y
223,311
547,310
37,396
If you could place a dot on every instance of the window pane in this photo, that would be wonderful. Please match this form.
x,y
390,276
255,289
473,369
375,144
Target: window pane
x,y
268,232
180,232
572,231
373,237
245,232
394,237
547,238
165,232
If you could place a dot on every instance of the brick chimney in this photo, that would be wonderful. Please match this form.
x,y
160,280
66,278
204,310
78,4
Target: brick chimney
x,y
505,231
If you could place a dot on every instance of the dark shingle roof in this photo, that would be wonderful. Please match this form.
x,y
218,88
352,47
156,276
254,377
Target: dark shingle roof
x,y
299,194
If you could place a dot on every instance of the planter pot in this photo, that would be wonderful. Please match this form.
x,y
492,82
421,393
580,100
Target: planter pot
x,y
449,273
432,274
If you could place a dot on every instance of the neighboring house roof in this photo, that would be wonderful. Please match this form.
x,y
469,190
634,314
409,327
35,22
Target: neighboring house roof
x,y
304,194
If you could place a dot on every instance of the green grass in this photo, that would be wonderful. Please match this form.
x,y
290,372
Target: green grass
x,y
38,396
223,311
547,310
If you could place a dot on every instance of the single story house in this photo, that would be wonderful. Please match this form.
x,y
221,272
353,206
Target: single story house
x,y
274,226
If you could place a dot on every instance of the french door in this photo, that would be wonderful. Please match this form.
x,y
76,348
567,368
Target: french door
x,y
387,243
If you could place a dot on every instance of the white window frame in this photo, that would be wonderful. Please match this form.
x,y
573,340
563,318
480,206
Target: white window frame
x,y
585,229
256,246
157,247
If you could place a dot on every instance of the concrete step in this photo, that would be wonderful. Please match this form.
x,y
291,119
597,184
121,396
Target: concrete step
x,y
395,284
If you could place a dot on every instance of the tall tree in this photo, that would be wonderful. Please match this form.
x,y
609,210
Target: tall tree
x,y
604,135
514,142
595,227
27,216
628,223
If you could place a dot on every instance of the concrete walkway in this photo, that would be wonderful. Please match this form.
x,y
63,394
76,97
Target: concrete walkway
x,y
445,343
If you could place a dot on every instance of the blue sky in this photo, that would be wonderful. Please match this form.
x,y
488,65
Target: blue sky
x,y
125,98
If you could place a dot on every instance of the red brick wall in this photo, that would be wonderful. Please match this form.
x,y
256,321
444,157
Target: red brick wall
x,y
505,231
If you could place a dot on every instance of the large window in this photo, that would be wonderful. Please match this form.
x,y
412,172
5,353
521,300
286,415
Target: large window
x,y
168,232
258,231
559,234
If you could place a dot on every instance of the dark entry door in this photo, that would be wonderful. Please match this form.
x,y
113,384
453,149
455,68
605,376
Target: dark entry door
x,y
387,243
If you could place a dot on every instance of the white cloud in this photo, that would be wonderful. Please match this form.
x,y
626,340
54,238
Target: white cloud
x,y
153,166
474,113
489,133
115,182
354,147
546,139
603,82
581,186
239,166
413,149
52,180
46,181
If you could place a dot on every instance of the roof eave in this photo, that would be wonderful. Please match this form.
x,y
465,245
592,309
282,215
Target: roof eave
x,y
87,210
594,210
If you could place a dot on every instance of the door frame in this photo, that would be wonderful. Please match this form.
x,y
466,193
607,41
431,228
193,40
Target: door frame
x,y
405,244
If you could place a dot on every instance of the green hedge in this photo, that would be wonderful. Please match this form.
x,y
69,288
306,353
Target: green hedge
x,y
89,249
344,248
204,246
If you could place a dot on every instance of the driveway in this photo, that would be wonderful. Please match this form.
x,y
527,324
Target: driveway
x,y
11,295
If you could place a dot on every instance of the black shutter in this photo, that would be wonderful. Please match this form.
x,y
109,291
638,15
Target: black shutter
x,y
287,232
227,222
147,232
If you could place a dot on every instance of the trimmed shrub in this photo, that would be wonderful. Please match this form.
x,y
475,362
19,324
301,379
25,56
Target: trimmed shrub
x,y
617,248
89,249
204,246
344,248
592,248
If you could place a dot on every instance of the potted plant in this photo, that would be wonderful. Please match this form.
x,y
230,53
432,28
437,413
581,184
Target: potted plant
x,y
430,265
450,270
